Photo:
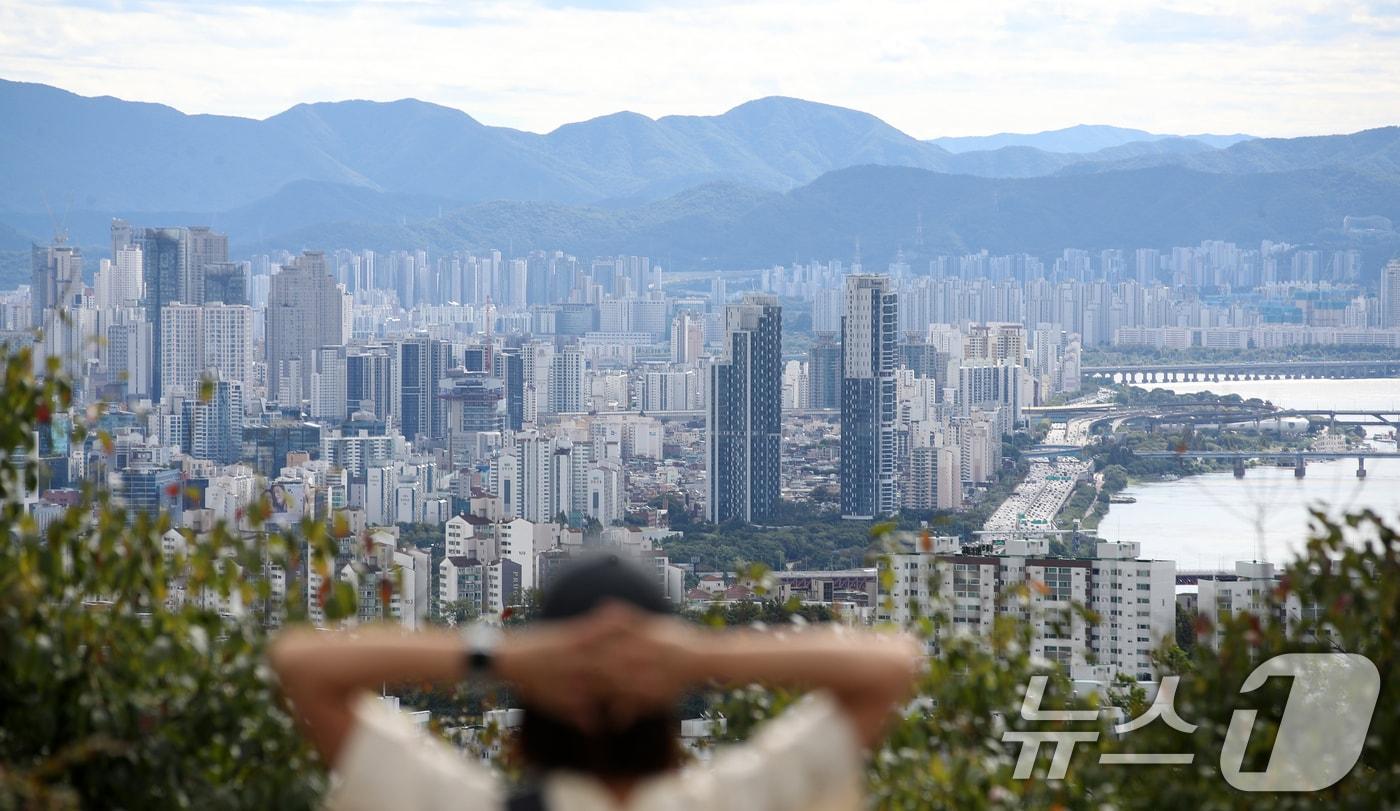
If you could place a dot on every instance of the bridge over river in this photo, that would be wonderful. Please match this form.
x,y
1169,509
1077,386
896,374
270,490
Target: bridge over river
x,y
1297,459
1261,370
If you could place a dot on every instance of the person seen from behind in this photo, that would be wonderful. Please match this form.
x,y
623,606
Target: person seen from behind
x,y
599,677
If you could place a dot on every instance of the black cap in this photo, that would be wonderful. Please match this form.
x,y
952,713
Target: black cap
x,y
589,582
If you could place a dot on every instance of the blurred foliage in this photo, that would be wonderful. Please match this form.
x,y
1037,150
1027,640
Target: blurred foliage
x,y
947,750
127,679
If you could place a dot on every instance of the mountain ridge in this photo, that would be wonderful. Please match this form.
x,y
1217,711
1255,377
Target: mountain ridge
x,y
712,189
723,226
103,153
1076,139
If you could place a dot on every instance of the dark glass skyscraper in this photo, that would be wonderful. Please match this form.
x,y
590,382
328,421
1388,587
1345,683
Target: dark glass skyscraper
x,y
824,372
150,489
743,443
510,367
164,254
869,354
368,378
419,362
226,282
173,262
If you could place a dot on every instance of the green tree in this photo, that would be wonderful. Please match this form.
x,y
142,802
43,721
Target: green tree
x,y
458,612
123,683
948,750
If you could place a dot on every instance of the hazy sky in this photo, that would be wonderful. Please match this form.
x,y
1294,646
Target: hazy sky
x,y
1268,67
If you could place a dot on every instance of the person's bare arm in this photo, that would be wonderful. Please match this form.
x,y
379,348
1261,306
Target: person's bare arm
x,y
323,673
868,673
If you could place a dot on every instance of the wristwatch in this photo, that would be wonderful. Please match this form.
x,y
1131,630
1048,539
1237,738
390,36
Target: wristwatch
x,y
480,641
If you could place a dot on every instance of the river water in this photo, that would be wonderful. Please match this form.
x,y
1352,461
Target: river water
x,y
1213,520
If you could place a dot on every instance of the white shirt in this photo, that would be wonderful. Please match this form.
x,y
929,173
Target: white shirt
x,y
807,759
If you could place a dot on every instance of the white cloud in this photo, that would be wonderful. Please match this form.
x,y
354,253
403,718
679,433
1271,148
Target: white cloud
x,y
929,68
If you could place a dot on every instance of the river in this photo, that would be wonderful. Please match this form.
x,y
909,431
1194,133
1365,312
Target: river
x,y
1211,521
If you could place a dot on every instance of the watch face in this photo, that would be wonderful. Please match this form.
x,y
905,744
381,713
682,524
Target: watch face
x,y
479,660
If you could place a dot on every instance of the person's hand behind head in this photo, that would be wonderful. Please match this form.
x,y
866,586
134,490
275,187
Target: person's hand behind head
x,y
646,660
557,666
616,662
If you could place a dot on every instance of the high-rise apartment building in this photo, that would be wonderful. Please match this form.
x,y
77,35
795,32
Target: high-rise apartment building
x,y
671,391
1134,599
824,372
167,276
57,278
214,338
227,341
56,296
305,311
566,382
475,404
993,385
164,255
212,427
1390,294
997,341
418,363
744,414
120,282
129,354
368,379
510,367
537,359
328,384
206,247
687,338
226,282
543,477
181,330
869,356
934,480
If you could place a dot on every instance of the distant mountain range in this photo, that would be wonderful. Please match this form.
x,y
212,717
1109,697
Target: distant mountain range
x,y
104,154
1079,139
768,181
890,210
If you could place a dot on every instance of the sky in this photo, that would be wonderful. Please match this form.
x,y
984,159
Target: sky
x,y
930,68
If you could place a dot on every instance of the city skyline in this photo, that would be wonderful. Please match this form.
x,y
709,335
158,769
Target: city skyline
x,y
1324,70
406,395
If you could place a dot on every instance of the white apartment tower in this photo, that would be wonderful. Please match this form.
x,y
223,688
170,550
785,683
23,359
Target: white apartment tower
x,y
1135,599
1390,295
566,382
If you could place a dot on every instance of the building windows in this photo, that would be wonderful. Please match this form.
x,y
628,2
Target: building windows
x,y
1059,580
